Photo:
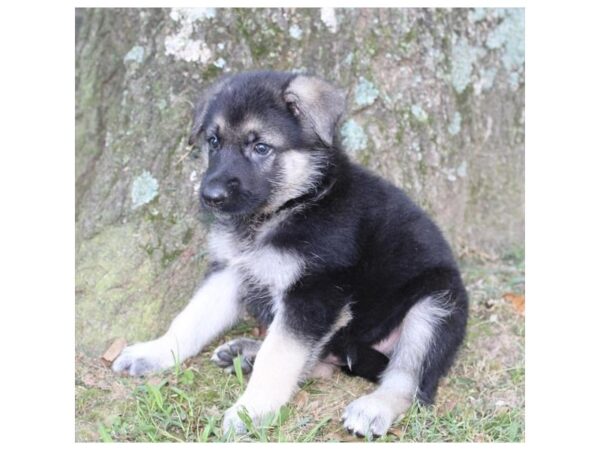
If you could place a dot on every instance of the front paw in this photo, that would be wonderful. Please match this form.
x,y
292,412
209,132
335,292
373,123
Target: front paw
x,y
145,357
232,420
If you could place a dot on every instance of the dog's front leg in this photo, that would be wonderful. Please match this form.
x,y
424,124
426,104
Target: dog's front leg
x,y
279,366
214,308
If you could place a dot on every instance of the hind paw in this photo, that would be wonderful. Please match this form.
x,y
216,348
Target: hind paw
x,y
368,416
224,355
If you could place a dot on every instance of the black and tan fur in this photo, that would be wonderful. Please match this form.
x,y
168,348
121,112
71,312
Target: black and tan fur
x,y
343,268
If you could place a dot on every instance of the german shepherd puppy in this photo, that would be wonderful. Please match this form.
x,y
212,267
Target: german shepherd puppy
x,y
342,266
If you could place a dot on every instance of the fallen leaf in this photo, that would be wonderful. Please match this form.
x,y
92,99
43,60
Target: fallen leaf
x,y
113,351
301,399
518,301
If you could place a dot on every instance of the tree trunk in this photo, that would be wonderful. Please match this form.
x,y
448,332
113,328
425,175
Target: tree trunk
x,y
435,104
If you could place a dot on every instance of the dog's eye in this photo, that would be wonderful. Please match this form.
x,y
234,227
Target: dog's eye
x,y
213,142
262,149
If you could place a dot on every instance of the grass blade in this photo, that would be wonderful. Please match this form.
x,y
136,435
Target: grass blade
x,y
104,434
237,367
312,433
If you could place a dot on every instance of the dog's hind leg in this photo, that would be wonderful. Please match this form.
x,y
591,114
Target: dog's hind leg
x,y
372,414
247,349
443,347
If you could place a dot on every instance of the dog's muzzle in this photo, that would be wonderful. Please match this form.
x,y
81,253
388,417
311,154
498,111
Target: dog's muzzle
x,y
217,193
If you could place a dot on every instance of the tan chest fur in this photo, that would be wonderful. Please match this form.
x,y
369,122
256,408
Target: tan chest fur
x,y
261,263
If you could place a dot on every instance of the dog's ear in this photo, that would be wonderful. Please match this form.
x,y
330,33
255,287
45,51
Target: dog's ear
x,y
201,107
317,104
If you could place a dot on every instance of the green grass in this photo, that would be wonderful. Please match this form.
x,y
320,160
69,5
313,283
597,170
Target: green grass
x,y
481,399
173,411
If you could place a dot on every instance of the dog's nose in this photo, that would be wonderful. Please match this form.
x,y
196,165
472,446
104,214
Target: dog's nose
x,y
215,194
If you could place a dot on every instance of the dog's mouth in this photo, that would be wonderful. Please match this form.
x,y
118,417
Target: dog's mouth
x,y
239,205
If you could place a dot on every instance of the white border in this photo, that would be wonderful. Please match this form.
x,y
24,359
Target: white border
x,y
37,188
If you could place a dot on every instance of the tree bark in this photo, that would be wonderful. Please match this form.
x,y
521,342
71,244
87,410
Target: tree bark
x,y
435,104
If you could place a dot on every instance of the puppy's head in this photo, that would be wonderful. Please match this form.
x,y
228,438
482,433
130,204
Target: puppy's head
x,y
267,135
